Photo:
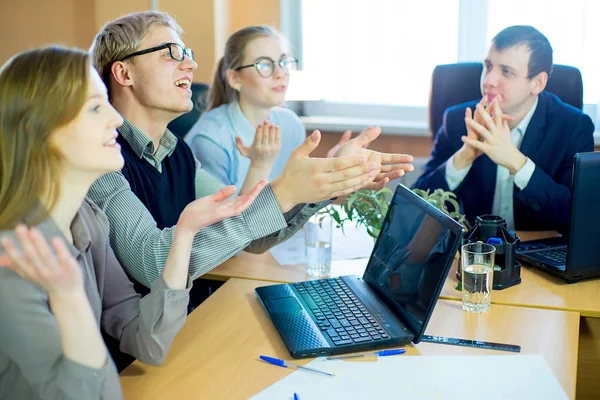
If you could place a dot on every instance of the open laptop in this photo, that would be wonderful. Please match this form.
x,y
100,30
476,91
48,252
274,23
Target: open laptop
x,y
576,256
393,301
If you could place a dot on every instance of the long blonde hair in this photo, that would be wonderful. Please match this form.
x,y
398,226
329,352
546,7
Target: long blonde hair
x,y
41,90
221,92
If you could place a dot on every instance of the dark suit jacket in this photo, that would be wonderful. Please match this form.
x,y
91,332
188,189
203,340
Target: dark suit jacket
x,y
556,132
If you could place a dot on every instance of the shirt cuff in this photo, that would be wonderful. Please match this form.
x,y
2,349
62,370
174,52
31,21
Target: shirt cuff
x,y
453,176
306,210
264,215
176,295
162,314
523,176
294,211
79,381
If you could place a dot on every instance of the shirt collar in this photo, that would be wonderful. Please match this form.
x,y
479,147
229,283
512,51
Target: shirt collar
x,y
140,143
521,128
81,235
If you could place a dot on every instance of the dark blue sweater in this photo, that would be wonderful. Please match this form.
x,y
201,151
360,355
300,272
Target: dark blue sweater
x,y
165,194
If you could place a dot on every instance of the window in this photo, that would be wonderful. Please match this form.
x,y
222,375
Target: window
x,y
374,59
366,54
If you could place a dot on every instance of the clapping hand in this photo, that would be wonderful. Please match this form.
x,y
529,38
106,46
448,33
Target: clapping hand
x,y
387,166
309,180
496,138
53,269
214,208
468,153
265,148
346,136
471,153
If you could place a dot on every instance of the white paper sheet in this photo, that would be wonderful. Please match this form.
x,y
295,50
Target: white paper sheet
x,y
424,377
356,243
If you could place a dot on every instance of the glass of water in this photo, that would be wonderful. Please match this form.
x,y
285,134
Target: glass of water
x,y
317,239
477,276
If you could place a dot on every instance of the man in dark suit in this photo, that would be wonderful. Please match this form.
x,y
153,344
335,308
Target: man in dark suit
x,y
511,154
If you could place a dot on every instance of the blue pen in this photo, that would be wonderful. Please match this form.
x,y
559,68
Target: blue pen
x,y
286,364
296,397
380,353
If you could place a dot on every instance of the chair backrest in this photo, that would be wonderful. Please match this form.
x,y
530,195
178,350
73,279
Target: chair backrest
x,y
182,124
453,84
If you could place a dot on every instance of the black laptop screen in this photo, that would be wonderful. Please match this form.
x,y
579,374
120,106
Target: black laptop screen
x,y
416,246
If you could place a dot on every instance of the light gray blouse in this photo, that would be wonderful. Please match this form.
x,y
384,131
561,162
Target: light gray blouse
x,y
32,365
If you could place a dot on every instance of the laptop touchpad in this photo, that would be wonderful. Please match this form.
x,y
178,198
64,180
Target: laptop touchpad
x,y
283,305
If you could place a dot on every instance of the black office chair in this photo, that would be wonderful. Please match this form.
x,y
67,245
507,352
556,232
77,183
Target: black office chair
x,y
453,84
181,125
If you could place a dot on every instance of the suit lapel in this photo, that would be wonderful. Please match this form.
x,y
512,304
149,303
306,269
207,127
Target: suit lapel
x,y
534,134
489,170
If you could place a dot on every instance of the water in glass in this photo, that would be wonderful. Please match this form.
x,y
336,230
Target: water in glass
x,y
477,287
318,259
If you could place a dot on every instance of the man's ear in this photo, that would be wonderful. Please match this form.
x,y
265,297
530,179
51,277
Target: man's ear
x,y
233,79
121,74
539,83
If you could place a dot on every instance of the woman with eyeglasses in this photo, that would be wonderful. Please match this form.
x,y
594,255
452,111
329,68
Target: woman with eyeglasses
x,y
59,279
245,135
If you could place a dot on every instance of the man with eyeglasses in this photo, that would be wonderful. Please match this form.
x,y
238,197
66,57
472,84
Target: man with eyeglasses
x,y
148,72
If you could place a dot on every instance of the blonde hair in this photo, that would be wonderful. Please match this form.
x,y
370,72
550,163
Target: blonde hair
x,y
123,36
221,92
41,90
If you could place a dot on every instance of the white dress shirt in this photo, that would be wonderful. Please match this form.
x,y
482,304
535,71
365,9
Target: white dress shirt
x,y
503,192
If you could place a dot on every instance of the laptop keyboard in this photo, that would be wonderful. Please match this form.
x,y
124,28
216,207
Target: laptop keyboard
x,y
339,313
555,256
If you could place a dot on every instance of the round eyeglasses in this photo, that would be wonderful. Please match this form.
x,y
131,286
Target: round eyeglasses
x,y
266,66
176,51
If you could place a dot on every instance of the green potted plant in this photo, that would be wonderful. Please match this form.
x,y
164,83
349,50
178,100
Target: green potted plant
x,y
442,200
369,207
363,207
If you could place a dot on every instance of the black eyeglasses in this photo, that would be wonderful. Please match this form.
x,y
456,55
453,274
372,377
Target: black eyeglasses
x,y
266,66
176,51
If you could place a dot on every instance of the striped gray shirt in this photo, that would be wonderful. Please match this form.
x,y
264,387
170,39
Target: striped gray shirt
x,y
142,248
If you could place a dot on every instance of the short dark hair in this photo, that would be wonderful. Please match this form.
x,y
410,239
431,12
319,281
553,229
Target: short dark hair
x,y
541,50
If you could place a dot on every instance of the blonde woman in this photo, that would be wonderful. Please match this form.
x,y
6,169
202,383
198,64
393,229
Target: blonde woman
x,y
246,135
60,280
